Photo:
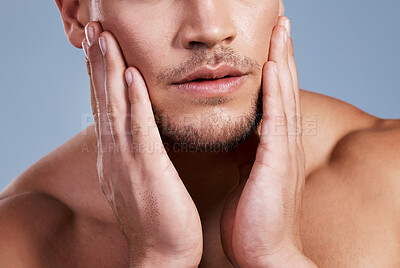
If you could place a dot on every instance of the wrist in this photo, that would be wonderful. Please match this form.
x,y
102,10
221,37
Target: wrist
x,y
162,263
155,259
167,256
287,258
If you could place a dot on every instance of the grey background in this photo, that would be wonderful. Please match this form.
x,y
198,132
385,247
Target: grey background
x,y
346,49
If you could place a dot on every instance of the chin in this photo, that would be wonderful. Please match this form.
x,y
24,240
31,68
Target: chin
x,y
215,130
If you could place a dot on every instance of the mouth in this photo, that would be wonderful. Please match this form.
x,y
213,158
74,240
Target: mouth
x,y
209,82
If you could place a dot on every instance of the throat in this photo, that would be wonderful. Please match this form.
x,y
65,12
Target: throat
x,y
208,177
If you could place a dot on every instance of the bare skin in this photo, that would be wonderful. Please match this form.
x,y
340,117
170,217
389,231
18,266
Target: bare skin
x,y
345,219
349,211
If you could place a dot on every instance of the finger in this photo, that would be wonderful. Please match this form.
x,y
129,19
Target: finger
x,y
92,96
117,104
279,54
93,30
297,121
296,89
145,135
273,145
293,70
284,21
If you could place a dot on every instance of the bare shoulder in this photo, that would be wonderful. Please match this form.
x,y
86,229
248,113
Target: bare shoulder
x,y
69,174
374,152
326,120
352,202
354,147
352,194
29,223
37,230
55,212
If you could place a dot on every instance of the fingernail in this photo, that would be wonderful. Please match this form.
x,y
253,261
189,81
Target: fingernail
x,y
128,77
89,31
286,36
103,46
287,26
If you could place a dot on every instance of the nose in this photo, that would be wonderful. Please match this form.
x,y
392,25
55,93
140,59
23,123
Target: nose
x,y
207,23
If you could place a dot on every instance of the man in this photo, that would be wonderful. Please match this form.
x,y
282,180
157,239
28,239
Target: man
x,y
221,186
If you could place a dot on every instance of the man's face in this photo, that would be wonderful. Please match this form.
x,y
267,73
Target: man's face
x,y
169,39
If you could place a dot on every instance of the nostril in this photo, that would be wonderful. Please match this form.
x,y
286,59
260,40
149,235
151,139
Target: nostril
x,y
196,44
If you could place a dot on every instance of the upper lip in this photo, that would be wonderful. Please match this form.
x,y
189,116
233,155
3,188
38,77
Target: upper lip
x,y
207,72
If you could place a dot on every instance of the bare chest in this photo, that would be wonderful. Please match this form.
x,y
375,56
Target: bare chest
x,y
340,227
348,217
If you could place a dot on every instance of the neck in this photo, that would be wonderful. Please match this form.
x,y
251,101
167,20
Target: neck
x,y
209,177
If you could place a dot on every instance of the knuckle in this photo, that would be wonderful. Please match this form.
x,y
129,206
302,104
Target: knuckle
x,y
112,111
93,103
264,146
133,98
95,116
281,120
95,111
136,127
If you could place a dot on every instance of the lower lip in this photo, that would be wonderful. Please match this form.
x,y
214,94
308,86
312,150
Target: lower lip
x,y
208,88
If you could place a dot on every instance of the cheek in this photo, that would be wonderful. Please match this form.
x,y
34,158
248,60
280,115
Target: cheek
x,y
255,27
143,44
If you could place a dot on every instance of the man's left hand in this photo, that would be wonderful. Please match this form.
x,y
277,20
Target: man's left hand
x,y
260,221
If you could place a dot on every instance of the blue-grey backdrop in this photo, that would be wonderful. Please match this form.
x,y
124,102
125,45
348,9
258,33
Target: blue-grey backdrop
x,y
346,49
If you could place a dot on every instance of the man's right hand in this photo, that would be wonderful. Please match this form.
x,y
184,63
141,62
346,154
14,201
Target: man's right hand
x,y
154,209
